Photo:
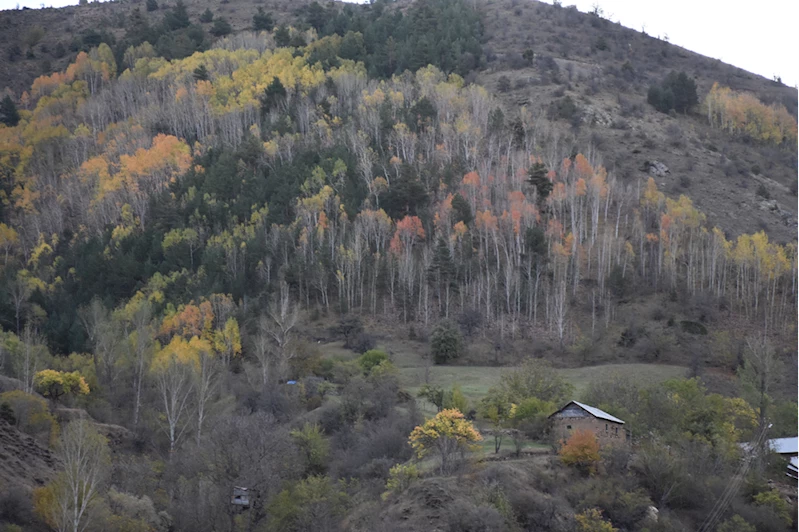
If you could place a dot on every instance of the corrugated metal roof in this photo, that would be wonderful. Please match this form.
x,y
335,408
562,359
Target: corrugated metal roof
x,y
785,445
601,414
794,462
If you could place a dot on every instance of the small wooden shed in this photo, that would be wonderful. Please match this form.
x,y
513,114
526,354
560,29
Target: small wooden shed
x,y
574,416
241,497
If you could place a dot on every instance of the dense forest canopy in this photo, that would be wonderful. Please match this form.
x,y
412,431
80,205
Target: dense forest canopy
x,y
405,195
174,210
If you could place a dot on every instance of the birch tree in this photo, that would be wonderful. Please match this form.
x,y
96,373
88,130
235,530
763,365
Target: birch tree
x,y
64,503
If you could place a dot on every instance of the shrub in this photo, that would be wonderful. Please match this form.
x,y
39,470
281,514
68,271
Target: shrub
x,y
400,477
137,512
363,343
530,419
465,516
349,326
581,450
470,320
15,507
591,520
446,343
624,508
306,504
313,447
735,524
433,394
503,84
773,500
33,36
564,109
7,414
535,378
32,415
307,359
455,399
370,359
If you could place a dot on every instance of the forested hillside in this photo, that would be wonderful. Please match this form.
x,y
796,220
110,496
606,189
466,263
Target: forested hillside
x,y
193,215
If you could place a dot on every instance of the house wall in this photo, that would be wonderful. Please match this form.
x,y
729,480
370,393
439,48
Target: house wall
x,y
607,432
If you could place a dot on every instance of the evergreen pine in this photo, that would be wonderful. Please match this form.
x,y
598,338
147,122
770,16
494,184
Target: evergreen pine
x,y
177,17
221,27
262,21
273,95
282,36
537,177
8,112
200,73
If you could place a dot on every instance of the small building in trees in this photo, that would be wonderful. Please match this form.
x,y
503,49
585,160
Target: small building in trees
x,y
575,416
241,497
787,448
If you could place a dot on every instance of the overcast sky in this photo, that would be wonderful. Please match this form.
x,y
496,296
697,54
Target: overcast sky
x,y
757,36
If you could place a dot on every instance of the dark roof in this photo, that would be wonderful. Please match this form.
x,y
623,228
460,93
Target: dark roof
x,y
596,412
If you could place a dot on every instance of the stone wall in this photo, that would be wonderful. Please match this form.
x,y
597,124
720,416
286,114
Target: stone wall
x,y
607,432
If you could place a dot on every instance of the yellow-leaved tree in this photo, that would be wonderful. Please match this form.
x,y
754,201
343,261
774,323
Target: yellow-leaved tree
x,y
227,341
449,434
178,368
56,384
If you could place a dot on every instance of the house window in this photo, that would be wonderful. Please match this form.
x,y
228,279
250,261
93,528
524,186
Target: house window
x,y
568,427
617,431
606,427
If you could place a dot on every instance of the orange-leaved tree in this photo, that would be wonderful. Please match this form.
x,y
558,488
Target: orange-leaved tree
x,y
581,450
448,434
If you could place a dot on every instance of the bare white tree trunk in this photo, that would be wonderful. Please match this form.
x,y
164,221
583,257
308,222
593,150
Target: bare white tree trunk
x,y
175,385
85,456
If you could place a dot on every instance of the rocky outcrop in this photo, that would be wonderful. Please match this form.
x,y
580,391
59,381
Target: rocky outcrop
x,y
656,168
772,206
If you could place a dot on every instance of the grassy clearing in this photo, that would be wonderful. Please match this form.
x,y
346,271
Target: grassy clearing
x,y
475,381
487,445
644,375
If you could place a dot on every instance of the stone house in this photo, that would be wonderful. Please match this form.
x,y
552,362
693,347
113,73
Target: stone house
x,y
574,416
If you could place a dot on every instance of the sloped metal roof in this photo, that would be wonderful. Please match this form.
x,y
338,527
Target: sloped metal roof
x,y
597,413
785,445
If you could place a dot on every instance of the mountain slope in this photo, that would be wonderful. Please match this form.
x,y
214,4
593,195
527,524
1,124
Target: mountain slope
x,y
607,69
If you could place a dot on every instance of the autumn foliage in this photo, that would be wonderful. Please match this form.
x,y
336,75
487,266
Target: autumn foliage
x,y
591,520
56,384
741,113
581,450
447,434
